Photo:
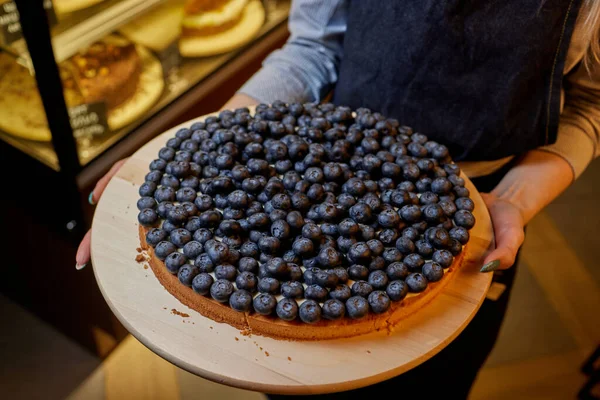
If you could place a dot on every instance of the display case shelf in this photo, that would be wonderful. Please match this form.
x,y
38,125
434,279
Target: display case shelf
x,y
192,72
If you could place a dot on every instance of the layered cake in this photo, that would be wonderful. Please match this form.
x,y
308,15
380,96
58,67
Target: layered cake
x,y
114,71
211,27
304,221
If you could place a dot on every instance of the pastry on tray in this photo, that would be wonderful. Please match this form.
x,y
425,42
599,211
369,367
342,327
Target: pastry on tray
x,y
304,221
212,27
124,76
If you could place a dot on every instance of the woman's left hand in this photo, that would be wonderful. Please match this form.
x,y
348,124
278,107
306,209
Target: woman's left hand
x,y
508,224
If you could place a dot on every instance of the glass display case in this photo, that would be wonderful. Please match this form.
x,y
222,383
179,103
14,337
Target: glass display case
x,y
128,70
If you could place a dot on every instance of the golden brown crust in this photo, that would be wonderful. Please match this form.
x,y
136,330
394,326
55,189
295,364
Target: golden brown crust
x,y
295,330
210,30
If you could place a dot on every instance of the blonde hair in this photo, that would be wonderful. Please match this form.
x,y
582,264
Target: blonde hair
x,y
590,12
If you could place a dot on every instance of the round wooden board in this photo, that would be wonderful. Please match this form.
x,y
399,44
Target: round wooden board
x,y
222,354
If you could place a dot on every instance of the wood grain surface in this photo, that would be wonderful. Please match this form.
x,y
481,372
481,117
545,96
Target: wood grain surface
x,y
222,354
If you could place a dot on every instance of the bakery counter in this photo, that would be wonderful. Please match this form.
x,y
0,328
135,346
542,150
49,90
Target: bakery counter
x,y
161,98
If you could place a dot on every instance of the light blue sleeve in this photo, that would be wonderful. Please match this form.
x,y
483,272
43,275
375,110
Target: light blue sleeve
x,y
306,68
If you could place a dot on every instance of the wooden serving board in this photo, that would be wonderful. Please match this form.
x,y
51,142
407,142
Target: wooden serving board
x,y
222,354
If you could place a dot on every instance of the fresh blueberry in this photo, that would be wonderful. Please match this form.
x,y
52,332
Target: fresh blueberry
x,y
264,303
443,257
391,255
416,282
225,271
163,249
218,252
202,283
357,307
268,285
464,219
358,272
147,189
246,280
340,292
310,312
414,262
397,290
202,235
193,249
287,309
240,300
221,290
405,245
292,289
148,217
433,271
277,267
378,279
174,261
315,292
155,236
187,273
204,263
460,234
379,301
464,203
180,236
146,202
333,309
361,288
397,270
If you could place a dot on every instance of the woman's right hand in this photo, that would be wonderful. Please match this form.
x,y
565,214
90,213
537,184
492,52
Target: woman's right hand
x,y
83,252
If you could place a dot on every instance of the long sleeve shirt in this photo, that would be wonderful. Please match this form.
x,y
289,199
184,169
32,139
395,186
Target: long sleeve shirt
x,y
307,67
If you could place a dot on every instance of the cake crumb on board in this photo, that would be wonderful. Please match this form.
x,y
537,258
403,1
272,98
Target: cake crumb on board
x,y
181,314
146,266
139,249
289,358
140,258
236,339
267,353
369,351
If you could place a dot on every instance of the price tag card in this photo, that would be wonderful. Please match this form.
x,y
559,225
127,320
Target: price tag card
x,y
10,27
89,120
170,59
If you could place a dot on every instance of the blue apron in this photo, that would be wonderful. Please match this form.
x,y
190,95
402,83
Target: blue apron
x,y
481,76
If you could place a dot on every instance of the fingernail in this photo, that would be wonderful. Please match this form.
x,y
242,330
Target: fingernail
x,y
91,198
80,267
491,266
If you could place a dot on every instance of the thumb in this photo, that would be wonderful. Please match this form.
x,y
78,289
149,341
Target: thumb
x,y
508,232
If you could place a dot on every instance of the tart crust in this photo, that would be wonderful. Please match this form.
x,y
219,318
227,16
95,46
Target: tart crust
x,y
253,323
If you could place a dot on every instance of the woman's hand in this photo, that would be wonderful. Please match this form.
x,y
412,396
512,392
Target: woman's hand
x,y
509,233
537,179
83,252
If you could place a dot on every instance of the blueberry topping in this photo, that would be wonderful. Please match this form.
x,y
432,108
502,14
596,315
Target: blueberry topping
x,y
397,290
379,301
186,274
433,271
174,261
264,303
221,289
163,249
202,283
240,300
287,309
310,312
416,282
333,309
357,307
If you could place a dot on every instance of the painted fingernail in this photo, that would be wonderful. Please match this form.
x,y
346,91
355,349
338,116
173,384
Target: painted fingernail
x,y
80,267
491,266
91,199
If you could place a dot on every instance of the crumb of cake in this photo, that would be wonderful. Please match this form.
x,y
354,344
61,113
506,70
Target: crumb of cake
x,y
146,266
140,258
210,327
369,351
236,339
181,314
139,249
267,353
289,358
164,308
260,348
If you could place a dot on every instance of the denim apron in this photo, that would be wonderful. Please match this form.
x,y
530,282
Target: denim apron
x,y
483,77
